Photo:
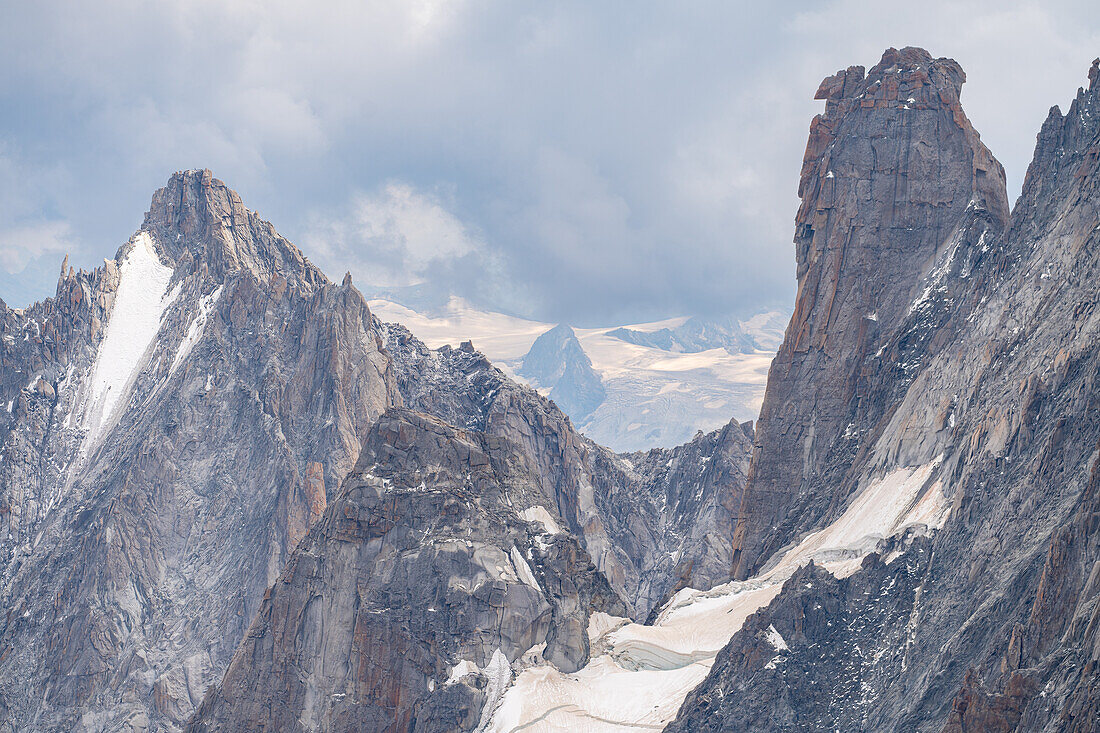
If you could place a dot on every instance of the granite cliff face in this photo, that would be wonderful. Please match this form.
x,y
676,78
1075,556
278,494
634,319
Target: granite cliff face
x,y
895,181
408,603
991,623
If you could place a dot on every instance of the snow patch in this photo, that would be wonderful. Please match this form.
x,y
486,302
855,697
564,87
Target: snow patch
x,y
776,639
195,330
600,623
499,673
886,507
543,517
463,669
135,318
600,697
523,570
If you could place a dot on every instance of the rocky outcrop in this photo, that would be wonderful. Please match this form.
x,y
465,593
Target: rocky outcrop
x,y
812,659
39,347
895,183
1002,633
197,217
177,419
411,599
650,521
698,487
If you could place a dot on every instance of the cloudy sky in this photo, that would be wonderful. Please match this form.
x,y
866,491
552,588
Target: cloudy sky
x,y
590,162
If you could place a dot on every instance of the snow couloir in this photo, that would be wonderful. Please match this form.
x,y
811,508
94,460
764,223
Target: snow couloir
x,y
135,319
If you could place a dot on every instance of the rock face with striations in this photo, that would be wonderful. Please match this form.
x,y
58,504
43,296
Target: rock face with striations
x,y
697,487
894,175
470,550
408,603
177,419
991,624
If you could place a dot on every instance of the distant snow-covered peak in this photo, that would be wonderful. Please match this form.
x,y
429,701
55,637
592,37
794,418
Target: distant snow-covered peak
x,y
653,397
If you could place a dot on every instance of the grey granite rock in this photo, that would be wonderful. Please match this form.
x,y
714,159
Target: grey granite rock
x,y
136,551
814,659
992,369
423,563
894,178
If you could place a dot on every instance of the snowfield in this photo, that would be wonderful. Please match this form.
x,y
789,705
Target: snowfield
x,y
639,675
140,302
655,398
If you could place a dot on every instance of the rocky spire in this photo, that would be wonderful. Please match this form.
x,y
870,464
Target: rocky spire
x,y
1065,149
892,169
196,216
991,622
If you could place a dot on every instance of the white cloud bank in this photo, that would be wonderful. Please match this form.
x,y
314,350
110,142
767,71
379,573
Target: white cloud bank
x,y
605,162
391,237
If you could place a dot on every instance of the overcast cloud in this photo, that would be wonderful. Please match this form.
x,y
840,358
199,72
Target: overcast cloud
x,y
573,161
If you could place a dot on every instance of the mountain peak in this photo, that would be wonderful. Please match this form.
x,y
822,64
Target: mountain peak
x,y
557,360
911,66
196,215
908,88
1065,150
191,201
943,73
894,176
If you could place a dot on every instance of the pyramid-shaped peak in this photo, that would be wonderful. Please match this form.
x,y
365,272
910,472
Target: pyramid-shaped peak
x,y
197,216
183,187
562,331
192,202
550,354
